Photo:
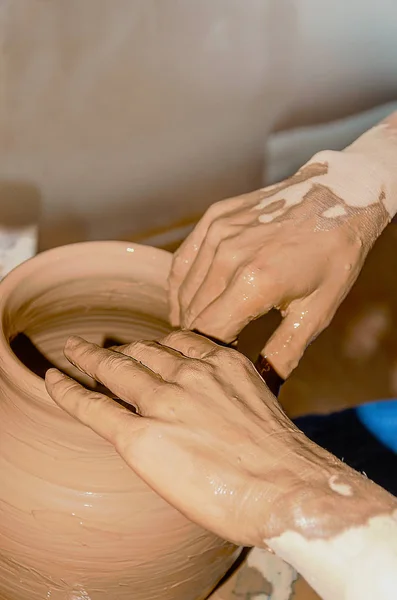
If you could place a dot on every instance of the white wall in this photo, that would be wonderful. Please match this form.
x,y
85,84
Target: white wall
x,y
129,115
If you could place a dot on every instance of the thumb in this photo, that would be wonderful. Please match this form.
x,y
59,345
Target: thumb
x,y
301,325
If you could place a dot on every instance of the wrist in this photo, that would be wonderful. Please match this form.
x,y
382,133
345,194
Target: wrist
x,y
320,495
377,149
360,190
287,479
328,520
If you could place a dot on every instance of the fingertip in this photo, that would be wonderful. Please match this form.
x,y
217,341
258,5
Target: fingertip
x,y
281,357
53,375
52,379
73,341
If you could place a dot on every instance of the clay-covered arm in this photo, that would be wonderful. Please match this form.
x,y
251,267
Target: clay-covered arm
x,y
210,438
297,246
340,532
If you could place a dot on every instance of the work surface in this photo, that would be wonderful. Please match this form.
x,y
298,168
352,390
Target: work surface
x,y
264,576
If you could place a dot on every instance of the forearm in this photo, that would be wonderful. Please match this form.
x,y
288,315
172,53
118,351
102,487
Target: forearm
x,y
339,529
357,186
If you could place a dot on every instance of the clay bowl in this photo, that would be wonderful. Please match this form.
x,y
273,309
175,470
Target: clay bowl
x,y
75,521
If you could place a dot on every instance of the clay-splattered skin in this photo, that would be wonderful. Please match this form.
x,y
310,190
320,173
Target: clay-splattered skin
x,y
297,246
208,436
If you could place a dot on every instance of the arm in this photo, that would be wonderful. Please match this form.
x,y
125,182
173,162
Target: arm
x,y
258,481
297,246
341,533
376,151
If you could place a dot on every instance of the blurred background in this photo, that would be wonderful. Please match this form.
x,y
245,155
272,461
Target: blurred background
x,y
126,119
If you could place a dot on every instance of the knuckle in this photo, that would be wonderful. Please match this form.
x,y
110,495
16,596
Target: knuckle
x,y
90,404
168,395
222,356
113,363
63,388
230,254
122,438
137,349
189,372
173,337
248,273
160,394
228,357
215,209
256,272
259,264
215,232
88,357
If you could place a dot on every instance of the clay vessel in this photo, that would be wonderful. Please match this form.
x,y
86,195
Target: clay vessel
x,y
75,522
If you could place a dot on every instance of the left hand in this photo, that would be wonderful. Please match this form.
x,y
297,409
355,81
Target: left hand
x,y
207,436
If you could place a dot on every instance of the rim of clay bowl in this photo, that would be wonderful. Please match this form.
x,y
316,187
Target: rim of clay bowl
x,y
30,382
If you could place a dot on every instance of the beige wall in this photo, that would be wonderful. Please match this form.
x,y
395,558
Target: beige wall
x,y
125,116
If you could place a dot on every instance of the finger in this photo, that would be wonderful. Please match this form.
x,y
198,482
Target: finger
x,y
128,379
248,296
101,414
220,251
220,273
164,360
232,255
194,278
218,232
191,345
303,322
185,256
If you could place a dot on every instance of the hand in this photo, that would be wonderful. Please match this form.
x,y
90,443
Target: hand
x,y
297,246
211,440
207,434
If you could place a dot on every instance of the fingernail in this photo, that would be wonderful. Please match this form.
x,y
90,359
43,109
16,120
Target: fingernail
x,y
53,376
73,341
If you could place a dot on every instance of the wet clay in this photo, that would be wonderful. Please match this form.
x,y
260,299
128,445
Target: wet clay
x,y
359,177
75,521
309,195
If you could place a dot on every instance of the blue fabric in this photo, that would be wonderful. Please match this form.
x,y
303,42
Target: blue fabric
x,y
344,435
380,418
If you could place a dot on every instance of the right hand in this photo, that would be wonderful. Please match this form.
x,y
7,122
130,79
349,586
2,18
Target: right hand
x,y
297,246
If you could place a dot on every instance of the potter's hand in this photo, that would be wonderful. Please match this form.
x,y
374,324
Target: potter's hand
x,y
207,435
297,246
211,440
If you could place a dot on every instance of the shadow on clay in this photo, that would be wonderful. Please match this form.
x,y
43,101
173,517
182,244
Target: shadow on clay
x,y
26,351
